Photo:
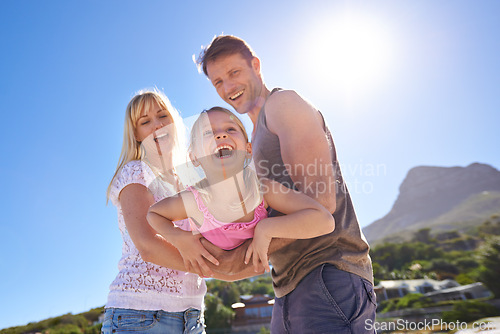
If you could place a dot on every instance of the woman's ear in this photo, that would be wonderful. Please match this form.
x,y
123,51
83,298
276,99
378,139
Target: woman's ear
x,y
249,148
194,160
135,136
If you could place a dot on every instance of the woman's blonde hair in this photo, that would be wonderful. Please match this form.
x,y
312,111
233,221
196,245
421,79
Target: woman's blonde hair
x,y
131,148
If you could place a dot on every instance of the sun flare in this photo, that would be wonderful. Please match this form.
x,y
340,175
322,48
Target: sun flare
x,y
352,53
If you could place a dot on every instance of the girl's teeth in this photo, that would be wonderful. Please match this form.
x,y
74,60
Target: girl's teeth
x,y
223,147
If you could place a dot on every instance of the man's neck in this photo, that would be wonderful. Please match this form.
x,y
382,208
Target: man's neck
x,y
261,100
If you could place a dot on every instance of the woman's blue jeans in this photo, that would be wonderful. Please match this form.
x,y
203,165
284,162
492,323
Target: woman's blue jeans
x,y
118,320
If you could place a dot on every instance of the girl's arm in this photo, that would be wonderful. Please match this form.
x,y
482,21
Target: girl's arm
x,y
304,218
160,217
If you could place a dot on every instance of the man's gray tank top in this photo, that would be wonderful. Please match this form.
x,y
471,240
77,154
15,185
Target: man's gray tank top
x,y
346,247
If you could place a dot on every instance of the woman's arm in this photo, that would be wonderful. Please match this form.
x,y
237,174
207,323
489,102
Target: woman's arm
x,y
304,218
135,200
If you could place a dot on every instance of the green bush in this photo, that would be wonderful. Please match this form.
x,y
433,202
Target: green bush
x,y
93,315
264,330
96,329
217,316
388,305
65,329
490,258
413,300
469,310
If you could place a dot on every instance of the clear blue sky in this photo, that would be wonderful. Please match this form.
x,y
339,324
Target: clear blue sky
x,y
401,83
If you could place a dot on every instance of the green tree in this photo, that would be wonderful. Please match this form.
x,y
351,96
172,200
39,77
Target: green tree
x,y
96,329
217,316
65,329
464,279
443,268
78,320
423,235
262,286
447,235
413,300
469,310
388,305
491,226
228,292
379,272
93,315
264,330
490,259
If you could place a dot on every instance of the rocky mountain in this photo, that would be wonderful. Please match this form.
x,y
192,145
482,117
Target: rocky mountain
x,y
443,198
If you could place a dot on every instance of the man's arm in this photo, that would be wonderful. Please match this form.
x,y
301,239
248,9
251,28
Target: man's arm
x,y
231,262
304,146
304,150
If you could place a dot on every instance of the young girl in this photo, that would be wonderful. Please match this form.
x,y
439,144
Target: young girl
x,y
229,205
147,297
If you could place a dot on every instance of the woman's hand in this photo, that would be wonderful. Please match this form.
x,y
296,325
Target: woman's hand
x,y
259,247
192,251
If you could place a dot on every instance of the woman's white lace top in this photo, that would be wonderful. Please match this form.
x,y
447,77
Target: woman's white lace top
x,y
142,285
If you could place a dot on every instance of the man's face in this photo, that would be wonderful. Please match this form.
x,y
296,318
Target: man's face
x,y
237,82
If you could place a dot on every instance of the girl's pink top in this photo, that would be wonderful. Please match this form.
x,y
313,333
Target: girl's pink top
x,y
226,235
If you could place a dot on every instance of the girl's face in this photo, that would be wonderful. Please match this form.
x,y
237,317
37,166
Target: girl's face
x,y
152,119
220,142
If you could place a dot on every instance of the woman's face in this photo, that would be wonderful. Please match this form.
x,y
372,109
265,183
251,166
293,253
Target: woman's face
x,y
156,132
152,119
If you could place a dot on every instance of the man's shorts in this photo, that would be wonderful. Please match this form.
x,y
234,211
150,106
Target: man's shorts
x,y
327,300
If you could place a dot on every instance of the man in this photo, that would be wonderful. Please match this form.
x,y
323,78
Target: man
x,y
322,285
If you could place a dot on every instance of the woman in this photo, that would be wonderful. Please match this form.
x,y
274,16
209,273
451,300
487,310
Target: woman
x,y
147,297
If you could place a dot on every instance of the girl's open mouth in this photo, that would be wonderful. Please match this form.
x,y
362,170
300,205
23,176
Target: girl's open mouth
x,y
223,151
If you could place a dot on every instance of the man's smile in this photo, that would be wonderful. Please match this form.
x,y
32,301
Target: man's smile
x,y
236,95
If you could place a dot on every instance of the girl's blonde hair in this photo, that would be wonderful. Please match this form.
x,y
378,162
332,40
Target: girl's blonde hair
x,y
131,148
195,130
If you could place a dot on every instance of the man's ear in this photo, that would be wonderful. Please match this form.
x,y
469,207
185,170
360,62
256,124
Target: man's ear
x,y
256,64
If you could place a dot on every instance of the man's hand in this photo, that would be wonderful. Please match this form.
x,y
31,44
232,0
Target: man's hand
x,y
230,262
